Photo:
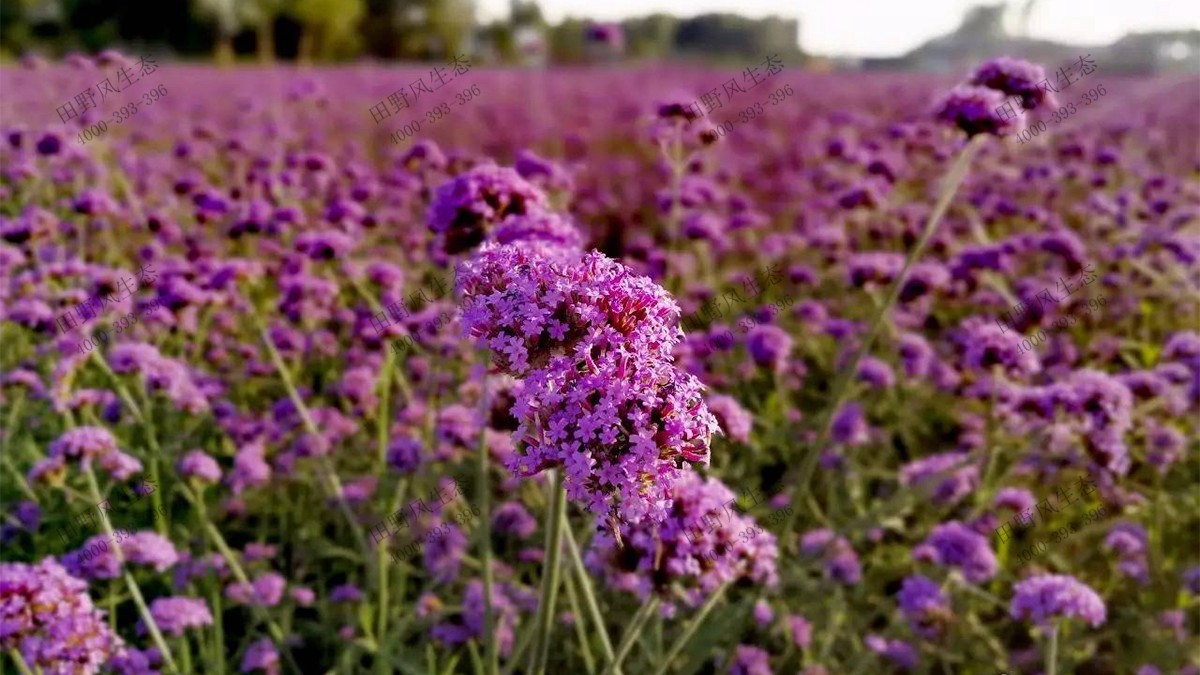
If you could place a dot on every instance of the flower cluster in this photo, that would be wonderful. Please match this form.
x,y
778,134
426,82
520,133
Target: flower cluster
x,y
592,341
975,107
1044,597
48,617
86,444
699,546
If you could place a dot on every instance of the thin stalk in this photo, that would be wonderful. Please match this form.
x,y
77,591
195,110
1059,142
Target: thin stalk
x,y
1052,652
483,498
842,385
234,566
633,632
555,510
383,655
589,597
325,470
20,661
691,629
585,650
134,591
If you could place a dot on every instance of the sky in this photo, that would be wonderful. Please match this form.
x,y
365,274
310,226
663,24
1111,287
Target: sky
x,y
890,27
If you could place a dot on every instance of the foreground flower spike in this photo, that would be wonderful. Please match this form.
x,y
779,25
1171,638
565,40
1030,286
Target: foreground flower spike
x,y
974,110
1048,596
47,616
700,545
622,426
526,307
466,207
1015,77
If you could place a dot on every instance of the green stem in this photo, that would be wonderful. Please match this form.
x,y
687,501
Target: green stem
x,y
1052,652
234,566
555,516
580,630
691,628
134,591
633,632
383,655
20,661
842,386
324,470
589,596
483,498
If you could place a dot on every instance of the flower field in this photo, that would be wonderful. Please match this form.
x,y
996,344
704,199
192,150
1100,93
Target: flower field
x,y
572,371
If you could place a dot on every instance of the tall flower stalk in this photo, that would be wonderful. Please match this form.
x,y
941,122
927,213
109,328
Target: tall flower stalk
x,y
841,387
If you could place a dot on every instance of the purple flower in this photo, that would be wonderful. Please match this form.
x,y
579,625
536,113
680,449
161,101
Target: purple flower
x,y
96,559
48,617
470,623
840,558
261,655
513,518
953,544
876,373
924,604
464,208
849,427
1044,597
545,228
266,590
200,466
801,630
526,307
1014,499
700,545
898,652
769,346
750,660
94,443
974,110
443,553
345,593
763,614
176,614
1015,77
735,420
952,475
404,454
1128,541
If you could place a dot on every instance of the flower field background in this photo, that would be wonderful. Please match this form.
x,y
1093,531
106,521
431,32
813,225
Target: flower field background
x,y
569,382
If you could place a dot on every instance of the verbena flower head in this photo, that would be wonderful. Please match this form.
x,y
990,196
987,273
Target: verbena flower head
x,y
735,420
750,660
974,110
538,229
47,615
88,444
467,206
174,615
924,604
1049,596
97,558
622,426
839,557
956,545
1015,77
697,547
526,307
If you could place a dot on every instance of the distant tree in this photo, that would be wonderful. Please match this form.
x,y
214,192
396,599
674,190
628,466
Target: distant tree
x,y
330,27
567,41
224,15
